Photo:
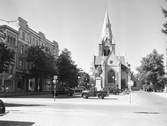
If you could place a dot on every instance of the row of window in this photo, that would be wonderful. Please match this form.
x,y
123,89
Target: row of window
x,y
21,65
33,41
11,40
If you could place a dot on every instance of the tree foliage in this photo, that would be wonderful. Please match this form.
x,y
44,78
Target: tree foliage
x,y
152,70
6,57
42,63
84,79
68,71
164,11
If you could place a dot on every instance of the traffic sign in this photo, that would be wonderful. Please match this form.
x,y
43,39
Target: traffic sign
x,y
55,77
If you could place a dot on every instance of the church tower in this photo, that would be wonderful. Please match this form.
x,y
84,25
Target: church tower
x,y
106,44
109,69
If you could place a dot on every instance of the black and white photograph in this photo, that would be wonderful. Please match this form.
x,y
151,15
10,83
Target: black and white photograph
x,y
83,62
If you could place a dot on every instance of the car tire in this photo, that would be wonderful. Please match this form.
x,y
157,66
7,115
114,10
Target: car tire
x,y
85,96
69,94
101,97
2,107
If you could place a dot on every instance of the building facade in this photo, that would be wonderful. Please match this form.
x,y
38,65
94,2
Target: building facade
x,y
10,39
112,70
25,37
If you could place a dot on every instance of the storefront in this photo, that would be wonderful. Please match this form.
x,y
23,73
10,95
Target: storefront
x,y
7,82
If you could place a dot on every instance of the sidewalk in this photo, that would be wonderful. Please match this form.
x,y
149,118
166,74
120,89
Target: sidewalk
x,y
15,94
162,94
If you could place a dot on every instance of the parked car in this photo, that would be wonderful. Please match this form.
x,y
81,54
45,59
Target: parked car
x,y
66,90
80,88
94,93
114,90
2,107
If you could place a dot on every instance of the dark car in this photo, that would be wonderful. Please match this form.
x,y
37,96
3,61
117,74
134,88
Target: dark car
x,y
113,90
2,107
67,91
93,93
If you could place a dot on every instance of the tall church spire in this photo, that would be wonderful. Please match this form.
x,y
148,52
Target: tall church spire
x,y
106,44
106,29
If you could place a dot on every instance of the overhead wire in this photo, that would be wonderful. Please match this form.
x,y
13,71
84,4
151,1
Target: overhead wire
x,y
9,21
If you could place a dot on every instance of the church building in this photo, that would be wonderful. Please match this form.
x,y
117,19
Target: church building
x,y
111,70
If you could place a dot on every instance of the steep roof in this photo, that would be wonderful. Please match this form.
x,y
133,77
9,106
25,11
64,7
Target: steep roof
x,y
122,59
106,29
98,59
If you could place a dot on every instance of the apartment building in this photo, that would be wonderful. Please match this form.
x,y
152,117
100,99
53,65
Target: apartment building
x,y
9,37
25,37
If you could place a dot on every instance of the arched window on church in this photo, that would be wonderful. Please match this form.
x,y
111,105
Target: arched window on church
x,y
108,52
111,76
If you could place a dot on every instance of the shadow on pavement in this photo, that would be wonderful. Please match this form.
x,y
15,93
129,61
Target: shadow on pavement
x,y
16,105
67,97
15,123
101,99
49,96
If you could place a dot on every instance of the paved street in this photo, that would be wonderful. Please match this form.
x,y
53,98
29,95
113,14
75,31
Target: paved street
x,y
141,109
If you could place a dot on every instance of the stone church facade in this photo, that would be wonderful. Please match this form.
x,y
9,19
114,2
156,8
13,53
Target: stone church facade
x,y
112,70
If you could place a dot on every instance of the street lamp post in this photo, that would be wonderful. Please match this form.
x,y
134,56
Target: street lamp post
x,y
54,90
78,80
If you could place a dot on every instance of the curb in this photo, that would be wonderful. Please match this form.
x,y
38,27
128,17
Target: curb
x,y
2,114
17,94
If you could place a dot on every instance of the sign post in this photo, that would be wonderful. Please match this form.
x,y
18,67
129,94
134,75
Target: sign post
x,y
130,83
54,90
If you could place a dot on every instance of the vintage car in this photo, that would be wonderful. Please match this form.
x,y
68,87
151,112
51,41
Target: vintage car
x,y
2,108
113,90
94,93
66,90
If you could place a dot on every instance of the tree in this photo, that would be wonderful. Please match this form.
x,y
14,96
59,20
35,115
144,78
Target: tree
x,y
67,70
73,81
6,57
84,79
152,70
164,11
42,64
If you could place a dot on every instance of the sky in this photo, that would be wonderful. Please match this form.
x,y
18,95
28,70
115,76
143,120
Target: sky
x,y
77,24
